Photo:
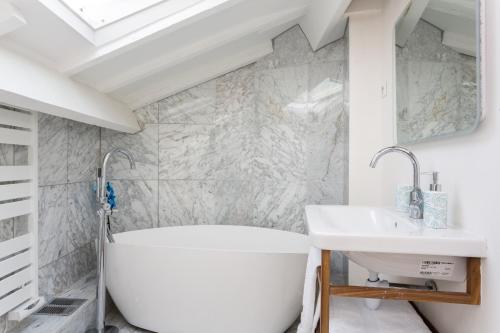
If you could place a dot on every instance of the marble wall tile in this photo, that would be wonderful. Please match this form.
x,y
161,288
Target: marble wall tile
x,y
58,275
186,202
53,227
336,51
327,124
82,216
282,95
235,124
186,151
83,151
142,145
192,106
52,149
280,205
291,48
233,202
147,114
137,205
281,114
235,97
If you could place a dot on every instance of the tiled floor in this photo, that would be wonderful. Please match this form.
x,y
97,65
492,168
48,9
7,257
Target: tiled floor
x,y
116,319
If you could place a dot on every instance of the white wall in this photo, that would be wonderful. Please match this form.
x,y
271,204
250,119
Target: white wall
x,y
371,108
470,172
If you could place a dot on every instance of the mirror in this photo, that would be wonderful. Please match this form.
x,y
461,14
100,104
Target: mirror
x,y
437,70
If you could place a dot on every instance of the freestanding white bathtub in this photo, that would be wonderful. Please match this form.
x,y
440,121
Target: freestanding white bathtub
x,y
208,279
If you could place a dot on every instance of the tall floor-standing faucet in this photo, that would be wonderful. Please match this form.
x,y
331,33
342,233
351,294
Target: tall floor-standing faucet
x,y
103,212
416,198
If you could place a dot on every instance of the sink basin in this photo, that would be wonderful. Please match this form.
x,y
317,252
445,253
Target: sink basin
x,y
385,241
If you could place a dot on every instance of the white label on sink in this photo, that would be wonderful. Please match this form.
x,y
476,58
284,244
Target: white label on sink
x,y
431,268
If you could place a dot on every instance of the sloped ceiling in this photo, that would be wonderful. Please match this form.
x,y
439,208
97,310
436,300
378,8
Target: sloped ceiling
x,y
168,55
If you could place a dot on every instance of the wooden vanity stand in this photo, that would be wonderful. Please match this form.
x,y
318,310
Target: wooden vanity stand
x,y
472,295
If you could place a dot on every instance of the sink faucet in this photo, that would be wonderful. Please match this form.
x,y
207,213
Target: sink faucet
x,y
416,198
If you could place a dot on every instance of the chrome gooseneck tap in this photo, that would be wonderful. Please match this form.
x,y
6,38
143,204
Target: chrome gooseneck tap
x,y
416,197
103,212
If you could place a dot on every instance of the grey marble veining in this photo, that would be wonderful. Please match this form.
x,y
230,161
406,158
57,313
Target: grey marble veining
x,y
186,202
142,145
147,114
291,48
53,227
60,274
52,149
137,205
193,106
82,216
83,151
326,137
281,114
234,130
186,151
280,205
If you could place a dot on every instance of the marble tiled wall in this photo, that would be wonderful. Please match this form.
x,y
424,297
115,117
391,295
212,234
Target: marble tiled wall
x,y
436,87
252,147
68,155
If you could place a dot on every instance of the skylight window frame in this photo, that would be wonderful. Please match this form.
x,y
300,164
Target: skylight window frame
x,y
127,25
96,23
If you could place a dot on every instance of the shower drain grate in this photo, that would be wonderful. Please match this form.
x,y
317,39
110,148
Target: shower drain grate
x,y
61,307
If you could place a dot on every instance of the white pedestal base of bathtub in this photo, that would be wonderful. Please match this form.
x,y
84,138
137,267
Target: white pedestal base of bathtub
x,y
210,279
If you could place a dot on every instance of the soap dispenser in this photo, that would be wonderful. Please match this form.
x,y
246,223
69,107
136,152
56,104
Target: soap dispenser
x,y
435,204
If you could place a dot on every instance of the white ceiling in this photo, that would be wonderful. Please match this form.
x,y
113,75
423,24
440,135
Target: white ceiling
x,y
150,55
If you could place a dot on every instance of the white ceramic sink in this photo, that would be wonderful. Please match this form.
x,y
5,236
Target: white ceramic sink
x,y
385,241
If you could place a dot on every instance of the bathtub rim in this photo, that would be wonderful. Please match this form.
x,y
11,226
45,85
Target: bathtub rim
x,y
301,248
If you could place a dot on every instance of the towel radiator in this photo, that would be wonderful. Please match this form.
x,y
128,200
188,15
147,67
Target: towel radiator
x,y
18,197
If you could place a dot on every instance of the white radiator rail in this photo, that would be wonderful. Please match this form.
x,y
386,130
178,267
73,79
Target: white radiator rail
x,y
19,198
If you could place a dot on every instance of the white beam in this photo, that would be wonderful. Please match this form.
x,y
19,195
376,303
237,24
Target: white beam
x,y
165,61
10,18
409,21
206,70
460,43
324,22
29,85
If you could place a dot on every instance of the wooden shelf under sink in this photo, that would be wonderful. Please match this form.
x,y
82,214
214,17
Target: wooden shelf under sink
x,y
471,296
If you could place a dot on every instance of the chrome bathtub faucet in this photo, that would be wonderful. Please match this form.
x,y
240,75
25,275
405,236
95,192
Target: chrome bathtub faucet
x,y
103,212
416,197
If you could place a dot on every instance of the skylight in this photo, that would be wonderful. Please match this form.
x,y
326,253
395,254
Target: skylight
x,y
99,13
